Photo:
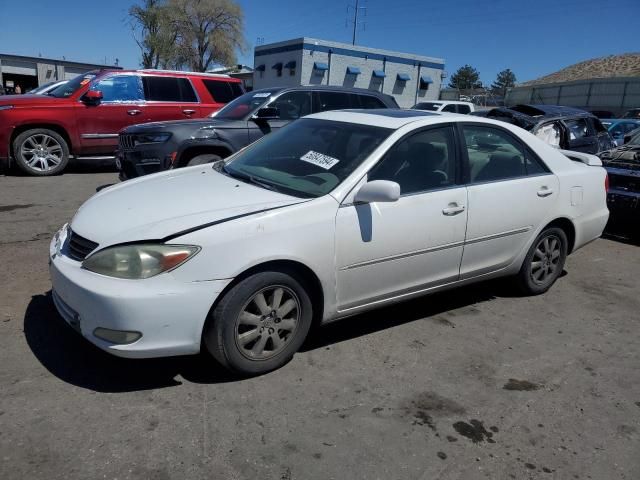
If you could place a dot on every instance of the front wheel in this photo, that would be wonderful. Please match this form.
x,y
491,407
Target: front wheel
x,y
41,152
259,323
202,159
544,262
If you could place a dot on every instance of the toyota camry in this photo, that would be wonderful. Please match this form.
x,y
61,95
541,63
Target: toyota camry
x,y
335,214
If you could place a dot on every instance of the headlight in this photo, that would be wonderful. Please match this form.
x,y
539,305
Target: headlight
x,y
6,107
205,133
138,261
151,138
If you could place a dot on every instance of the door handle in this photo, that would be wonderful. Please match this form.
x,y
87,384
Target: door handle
x,y
453,209
545,192
188,112
134,112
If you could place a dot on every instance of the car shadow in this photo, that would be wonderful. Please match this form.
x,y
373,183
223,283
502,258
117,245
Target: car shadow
x,y
74,360
422,308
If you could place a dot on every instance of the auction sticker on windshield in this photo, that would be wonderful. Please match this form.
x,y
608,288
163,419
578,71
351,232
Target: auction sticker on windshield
x,y
319,159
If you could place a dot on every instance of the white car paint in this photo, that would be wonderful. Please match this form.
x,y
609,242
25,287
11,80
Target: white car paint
x,y
447,106
361,255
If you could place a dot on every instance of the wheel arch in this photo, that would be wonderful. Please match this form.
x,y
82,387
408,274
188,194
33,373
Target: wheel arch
x,y
34,126
569,229
193,151
297,269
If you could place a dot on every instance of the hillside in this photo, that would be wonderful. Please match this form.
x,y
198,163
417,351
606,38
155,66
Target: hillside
x,y
625,65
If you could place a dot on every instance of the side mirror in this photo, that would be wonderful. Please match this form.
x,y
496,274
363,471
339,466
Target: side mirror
x,y
92,97
378,191
267,113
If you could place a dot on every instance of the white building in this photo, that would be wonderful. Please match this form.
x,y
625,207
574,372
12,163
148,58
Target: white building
x,y
309,61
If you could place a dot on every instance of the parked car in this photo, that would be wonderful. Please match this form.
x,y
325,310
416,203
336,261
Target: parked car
x,y
47,87
336,213
154,147
617,128
566,128
450,106
623,199
629,136
633,113
83,117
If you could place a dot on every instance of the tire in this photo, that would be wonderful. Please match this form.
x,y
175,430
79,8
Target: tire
x,y
242,330
202,159
544,262
40,152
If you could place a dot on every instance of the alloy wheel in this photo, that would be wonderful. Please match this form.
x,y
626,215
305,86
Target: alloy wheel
x,y
41,152
267,322
546,258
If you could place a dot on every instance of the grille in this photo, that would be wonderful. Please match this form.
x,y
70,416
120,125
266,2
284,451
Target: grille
x,y
126,141
625,182
80,247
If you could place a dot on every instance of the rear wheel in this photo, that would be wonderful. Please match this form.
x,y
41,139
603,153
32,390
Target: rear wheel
x,y
544,262
41,152
202,159
259,323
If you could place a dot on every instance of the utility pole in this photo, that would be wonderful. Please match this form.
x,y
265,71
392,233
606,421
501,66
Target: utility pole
x,y
356,11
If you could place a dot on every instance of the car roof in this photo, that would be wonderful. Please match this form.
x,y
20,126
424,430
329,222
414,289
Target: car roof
x,y
385,117
171,73
329,88
548,110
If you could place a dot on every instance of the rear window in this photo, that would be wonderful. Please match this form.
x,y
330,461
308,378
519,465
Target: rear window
x,y
222,91
168,89
427,106
368,101
333,101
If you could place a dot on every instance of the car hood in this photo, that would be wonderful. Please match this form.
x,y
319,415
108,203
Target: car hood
x,y
28,100
179,124
159,206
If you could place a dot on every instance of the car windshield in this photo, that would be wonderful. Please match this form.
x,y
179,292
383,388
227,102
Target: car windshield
x,y
72,86
243,105
308,158
427,106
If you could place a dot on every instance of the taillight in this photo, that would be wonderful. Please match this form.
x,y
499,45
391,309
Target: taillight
x,y
606,183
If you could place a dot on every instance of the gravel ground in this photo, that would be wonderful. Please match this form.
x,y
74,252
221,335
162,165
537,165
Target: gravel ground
x,y
469,384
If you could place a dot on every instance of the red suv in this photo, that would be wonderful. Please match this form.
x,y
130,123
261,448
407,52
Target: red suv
x,y
82,118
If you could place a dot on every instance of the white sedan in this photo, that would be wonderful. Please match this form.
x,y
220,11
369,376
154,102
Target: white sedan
x,y
337,213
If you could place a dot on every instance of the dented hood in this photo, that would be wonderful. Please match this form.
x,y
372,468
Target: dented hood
x,y
159,206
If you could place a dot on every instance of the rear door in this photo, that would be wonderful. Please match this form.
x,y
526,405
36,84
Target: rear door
x,y
169,98
582,137
122,105
510,193
221,91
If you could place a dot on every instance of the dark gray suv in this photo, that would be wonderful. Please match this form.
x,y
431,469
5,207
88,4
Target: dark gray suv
x,y
153,147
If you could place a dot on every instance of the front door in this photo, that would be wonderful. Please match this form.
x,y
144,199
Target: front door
x,y
385,250
511,192
291,105
122,105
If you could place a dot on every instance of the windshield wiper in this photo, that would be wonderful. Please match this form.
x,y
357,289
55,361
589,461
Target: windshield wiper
x,y
249,178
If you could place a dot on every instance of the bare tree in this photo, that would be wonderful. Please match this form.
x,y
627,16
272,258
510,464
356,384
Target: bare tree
x,y
209,32
153,32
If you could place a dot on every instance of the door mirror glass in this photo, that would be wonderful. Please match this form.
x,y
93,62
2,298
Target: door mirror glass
x,y
267,113
378,191
92,97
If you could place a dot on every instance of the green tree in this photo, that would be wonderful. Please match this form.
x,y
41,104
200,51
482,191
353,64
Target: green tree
x,y
504,80
153,32
465,78
210,32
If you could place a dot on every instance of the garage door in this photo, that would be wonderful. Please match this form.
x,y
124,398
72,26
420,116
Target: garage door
x,y
19,67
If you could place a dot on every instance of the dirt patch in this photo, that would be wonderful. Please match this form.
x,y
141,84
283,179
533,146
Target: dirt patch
x,y
521,385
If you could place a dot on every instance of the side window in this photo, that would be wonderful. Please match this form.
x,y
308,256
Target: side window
x,y
221,91
449,108
120,88
333,101
533,164
424,161
168,89
577,128
493,154
597,125
464,109
293,105
367,101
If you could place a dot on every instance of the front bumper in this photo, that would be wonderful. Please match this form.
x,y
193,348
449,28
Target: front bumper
x,y
169,313
140,162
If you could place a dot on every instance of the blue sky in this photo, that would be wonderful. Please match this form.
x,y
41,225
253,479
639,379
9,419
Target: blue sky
x,y
532,38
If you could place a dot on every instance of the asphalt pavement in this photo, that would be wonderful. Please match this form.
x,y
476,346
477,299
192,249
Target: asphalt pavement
x,y
473,383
